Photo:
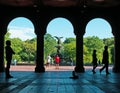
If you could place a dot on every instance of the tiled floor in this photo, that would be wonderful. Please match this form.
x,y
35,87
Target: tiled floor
x,y
59,82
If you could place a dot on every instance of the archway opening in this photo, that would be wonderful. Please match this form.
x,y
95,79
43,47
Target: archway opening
x,y
60,29
23,41
98,34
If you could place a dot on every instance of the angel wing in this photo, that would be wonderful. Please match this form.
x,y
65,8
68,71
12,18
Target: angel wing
x,y
59,39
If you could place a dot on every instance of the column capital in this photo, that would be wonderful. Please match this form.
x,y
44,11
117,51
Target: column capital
x,y
3,29
116,34
79,29
40,26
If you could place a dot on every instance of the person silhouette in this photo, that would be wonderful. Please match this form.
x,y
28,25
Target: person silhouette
x,y
105,60
94,61
9,52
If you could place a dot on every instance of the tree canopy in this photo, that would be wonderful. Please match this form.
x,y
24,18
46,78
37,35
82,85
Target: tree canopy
x,y
26,50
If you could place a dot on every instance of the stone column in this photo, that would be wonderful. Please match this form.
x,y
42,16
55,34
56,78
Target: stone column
x,y
2,33
79,53
116,67
40,31
40,54
79,32
116,33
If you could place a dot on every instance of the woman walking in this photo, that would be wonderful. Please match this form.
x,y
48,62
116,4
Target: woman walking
x,y
94,61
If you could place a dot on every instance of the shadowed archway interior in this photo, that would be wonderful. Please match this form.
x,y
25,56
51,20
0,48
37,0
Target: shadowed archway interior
x,y
78,12
61,3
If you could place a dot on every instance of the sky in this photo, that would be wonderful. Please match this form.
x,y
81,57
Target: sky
x,y
24,29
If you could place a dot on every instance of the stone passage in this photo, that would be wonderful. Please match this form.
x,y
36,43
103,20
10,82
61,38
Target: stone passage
x,y
59,82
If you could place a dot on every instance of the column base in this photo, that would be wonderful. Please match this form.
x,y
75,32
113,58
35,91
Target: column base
x,y
39,69
79,69
2,69
116,69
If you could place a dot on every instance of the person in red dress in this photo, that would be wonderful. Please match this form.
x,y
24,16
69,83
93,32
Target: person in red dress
x,y
57,60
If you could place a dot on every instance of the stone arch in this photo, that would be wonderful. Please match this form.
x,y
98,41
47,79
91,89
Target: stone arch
x,y
23,21
103,20
62,26
105,16
95,29
26,18
114,23
79,18
66,19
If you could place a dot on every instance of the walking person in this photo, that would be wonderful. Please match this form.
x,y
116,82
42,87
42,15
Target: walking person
x,y
48,60
94,61
105,60
57,60
9,52
71,61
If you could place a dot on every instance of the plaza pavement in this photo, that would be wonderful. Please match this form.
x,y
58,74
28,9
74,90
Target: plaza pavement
x,y
58,81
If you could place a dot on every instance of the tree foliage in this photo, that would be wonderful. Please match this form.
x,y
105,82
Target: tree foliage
x,y
49,45
70,50
92,43
26,50
69,40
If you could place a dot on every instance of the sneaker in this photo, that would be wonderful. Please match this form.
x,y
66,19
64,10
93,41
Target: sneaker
x,y
100,71
93,71
107,73
9,76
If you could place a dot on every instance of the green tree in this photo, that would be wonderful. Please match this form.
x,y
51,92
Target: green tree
x,y
70,50
69,40
93,43
110,43
7,36
49,45
29,50
86,55
17,46
26,50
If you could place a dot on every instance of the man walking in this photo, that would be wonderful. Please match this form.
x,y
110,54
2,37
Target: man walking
x,y
105,60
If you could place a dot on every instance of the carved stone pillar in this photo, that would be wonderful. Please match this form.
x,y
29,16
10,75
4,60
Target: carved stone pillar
x,y
2,33
1,52
116,33
40,54
116,67
79,32
40,31
79,54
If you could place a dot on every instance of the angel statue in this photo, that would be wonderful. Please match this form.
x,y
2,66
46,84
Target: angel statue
x,y
59,39
58,46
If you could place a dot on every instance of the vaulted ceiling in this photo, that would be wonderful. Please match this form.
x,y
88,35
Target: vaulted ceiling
x,y
60,3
